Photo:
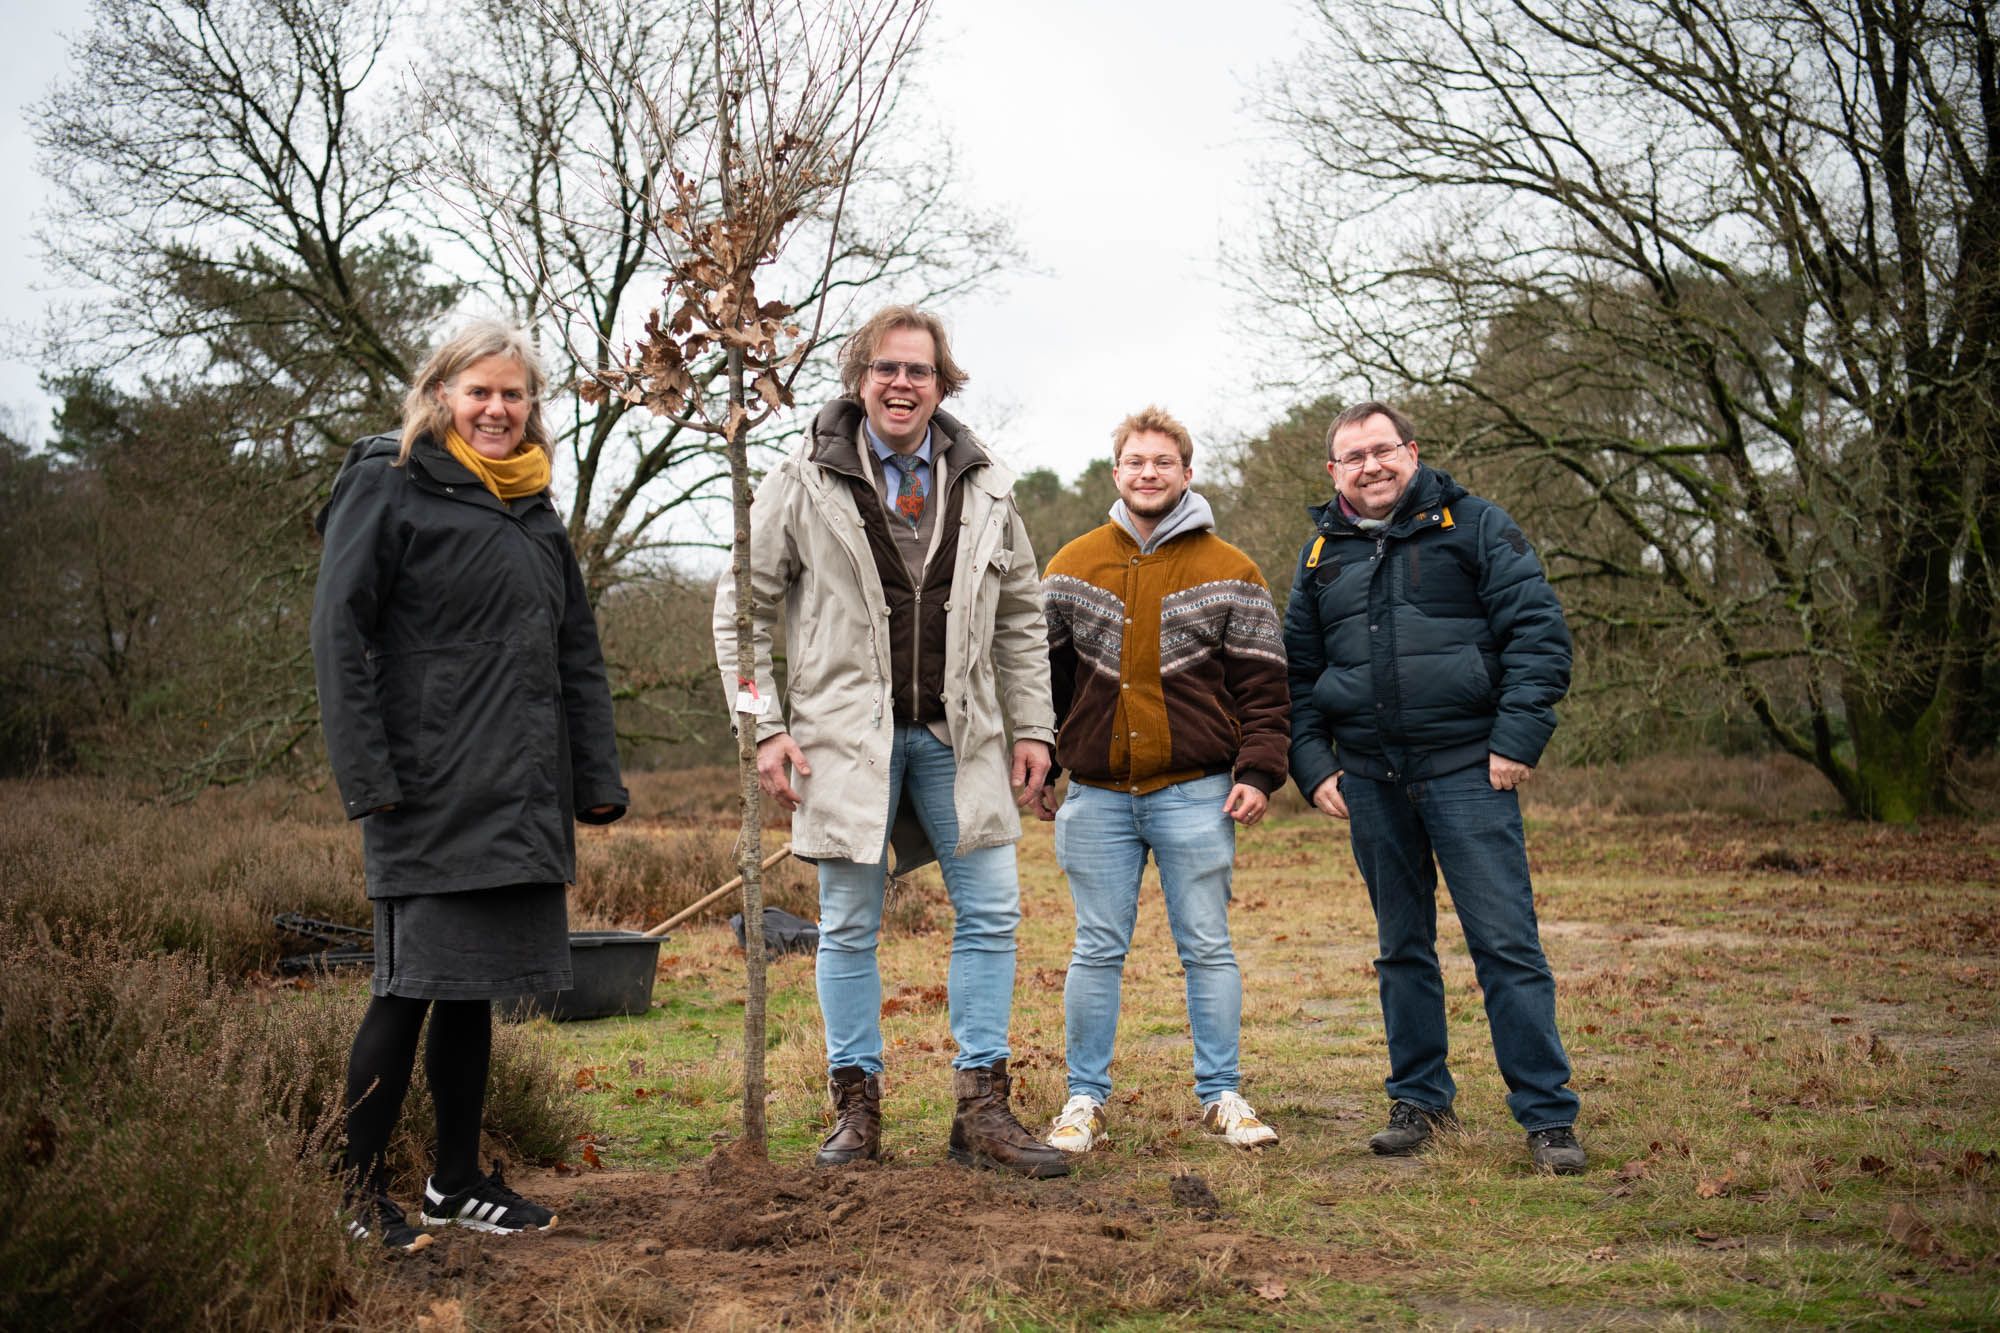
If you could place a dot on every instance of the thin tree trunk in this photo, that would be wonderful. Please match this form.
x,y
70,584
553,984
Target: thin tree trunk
x,y
749,842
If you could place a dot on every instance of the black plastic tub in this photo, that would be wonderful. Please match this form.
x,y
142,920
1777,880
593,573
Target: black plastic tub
x,y
613,975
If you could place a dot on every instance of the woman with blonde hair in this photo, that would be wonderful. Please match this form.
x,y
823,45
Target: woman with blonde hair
x,y
468,723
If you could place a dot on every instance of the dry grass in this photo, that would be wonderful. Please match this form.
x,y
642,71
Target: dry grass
x,y
1784,1034
1783,1058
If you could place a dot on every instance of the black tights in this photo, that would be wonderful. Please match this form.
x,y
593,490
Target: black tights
x,y
378,1076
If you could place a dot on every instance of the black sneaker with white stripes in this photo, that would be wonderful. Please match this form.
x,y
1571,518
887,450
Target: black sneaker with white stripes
x,y
378,1216
487,1205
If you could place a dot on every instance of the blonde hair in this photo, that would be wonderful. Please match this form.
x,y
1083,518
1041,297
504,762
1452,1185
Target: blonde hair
x,y
859,349
424,414
1157,421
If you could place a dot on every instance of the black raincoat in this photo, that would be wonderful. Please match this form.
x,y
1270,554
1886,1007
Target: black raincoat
x,y
460,678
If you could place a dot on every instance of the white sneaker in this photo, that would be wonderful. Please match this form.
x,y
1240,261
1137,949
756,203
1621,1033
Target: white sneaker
x,y
1080,1125
1232,1117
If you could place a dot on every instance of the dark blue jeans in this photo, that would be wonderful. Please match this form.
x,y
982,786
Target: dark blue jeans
x,y
1404,834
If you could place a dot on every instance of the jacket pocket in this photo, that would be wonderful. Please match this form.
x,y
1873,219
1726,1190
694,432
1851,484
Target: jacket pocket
x,y
443,678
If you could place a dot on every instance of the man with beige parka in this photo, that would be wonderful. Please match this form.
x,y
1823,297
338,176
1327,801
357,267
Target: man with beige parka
x,y
891,547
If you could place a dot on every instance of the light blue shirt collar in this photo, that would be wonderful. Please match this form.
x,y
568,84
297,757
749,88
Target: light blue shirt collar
x,y
882,451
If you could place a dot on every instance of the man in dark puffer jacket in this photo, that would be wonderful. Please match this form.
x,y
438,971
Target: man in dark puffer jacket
x,y
1427,652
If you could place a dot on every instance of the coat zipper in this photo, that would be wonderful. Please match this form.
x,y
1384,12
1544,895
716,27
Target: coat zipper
x,y
916,650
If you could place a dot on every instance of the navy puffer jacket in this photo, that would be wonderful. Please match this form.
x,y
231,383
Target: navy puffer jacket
x,y
1418,648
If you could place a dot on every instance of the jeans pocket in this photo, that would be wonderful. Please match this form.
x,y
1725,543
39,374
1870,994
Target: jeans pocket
x,y
1062,825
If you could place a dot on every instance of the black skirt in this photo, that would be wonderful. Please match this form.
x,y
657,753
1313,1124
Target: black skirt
x,y
481,944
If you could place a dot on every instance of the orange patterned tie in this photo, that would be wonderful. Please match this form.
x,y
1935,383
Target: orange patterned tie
x,y
910,497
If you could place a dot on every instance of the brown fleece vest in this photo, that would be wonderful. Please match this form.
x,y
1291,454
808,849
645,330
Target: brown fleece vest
x,y
916,624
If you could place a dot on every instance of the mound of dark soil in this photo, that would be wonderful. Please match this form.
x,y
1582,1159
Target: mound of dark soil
x,y
738,1242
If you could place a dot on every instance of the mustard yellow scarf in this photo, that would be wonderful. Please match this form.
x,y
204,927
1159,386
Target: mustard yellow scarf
x,y
524,472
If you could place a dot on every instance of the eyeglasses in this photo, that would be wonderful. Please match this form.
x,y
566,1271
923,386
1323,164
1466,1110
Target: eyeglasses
x,y
1165,463
918,372
1379,455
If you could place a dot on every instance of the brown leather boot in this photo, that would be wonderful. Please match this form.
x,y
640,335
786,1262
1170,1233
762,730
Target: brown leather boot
x,y
857,1118
985,1132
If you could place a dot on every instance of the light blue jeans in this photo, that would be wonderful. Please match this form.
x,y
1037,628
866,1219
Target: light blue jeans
x,y
986,907
1102,838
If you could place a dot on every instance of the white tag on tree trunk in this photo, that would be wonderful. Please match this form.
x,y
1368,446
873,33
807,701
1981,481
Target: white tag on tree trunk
x,y
748,700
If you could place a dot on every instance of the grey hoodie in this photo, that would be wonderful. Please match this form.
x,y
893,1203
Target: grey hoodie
x,y
1192,514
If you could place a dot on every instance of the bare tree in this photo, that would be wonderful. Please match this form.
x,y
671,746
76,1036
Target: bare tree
x,y
555,162
1726,282
283,207
792,102
220,171
242,212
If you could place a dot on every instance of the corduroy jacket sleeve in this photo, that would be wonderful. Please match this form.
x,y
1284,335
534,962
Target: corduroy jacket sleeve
x,y
1256,683
1062,665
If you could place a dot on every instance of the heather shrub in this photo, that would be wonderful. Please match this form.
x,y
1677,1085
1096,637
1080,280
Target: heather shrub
x,y
204,878
640,875
156,1151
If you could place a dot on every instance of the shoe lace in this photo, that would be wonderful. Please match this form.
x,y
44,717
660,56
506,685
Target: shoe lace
x,y
1562,1136
375,1212
1233,1108
1076,1113
496,1191
1405,1115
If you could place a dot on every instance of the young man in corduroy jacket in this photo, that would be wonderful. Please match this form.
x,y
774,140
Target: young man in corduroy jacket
x,y
1168,676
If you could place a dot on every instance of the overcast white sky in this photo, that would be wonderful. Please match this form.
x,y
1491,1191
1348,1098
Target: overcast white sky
x,y
1115,135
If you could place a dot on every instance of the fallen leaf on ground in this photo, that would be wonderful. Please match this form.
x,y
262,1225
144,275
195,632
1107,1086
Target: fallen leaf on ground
x,y
1719,1242
1603,1254
1900,1300
1908,1229
590,1157
1272,1290
1632,1170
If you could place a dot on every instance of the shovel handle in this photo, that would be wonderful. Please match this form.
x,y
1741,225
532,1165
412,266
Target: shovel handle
x,y
709,899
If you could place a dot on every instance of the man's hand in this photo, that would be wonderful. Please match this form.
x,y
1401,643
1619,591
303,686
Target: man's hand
x,y
1505,774
777,756
1031,768
1046,805
1245,804
1328,800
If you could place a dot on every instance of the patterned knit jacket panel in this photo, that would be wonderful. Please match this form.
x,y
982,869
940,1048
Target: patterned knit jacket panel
x,y
1166,666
